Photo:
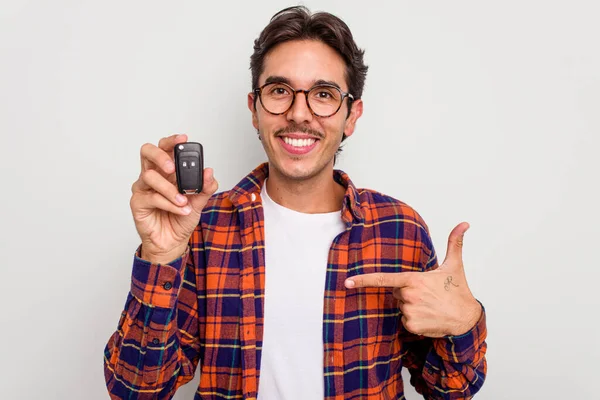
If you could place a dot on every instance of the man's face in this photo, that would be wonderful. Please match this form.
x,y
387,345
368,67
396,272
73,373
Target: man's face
x,y
300,145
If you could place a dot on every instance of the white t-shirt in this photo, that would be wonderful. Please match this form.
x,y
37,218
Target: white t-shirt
x,y
296,252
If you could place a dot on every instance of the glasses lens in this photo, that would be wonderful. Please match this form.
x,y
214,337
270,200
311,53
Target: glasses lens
x,y
324,100
276,97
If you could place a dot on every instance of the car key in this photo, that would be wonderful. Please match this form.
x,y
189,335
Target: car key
x,y
189,167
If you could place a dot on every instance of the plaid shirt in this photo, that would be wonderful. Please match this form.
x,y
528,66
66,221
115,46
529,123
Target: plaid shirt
x,y
207,307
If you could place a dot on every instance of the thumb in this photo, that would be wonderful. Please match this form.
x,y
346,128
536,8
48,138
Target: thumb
x,y
455,244
209,187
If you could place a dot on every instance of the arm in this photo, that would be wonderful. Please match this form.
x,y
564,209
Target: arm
x,y
155,348
442,326
451,366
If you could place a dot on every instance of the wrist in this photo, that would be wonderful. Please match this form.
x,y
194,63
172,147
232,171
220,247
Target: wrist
x,y
162,257
468,318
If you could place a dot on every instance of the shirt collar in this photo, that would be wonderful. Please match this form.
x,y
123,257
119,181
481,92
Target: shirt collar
x,y
248,189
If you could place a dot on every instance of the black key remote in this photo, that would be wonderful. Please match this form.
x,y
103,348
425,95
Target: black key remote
x,y
189,167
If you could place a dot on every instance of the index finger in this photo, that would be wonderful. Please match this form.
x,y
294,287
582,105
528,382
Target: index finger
x,y
152,155
168,143
379,279
161,155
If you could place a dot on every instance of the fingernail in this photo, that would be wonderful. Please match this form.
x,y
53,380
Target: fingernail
x,y
349,283
169,166
180,198
186,210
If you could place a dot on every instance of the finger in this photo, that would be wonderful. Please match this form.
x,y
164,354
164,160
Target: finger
x,y
407,295
380,279
455,243
410,323
406,324
209,187
154,200
139,186
161,185
152,155
167,144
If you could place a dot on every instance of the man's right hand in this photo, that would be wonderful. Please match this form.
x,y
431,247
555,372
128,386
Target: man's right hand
x,y
164,218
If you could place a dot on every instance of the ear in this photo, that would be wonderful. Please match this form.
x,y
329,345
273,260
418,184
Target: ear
x,y
355,113
251,97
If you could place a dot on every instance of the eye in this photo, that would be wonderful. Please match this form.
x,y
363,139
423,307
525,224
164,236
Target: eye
x,y
278,90
324,94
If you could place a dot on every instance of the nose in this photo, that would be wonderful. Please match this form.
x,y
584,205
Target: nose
x,y
299,113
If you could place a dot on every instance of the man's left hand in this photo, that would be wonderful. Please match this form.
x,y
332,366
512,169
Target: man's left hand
x,y
435,303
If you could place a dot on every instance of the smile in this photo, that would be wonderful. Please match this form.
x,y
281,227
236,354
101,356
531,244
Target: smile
x,y
297,146
299,142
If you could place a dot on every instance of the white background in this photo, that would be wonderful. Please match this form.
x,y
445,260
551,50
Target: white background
x,y
486,112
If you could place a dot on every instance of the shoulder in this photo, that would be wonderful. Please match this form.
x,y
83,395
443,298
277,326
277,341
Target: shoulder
x,y
378,206
393,222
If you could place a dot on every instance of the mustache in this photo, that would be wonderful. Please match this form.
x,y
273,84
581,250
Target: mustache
x,y
292,128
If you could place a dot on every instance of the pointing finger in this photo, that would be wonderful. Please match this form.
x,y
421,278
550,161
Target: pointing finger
x,y
379,279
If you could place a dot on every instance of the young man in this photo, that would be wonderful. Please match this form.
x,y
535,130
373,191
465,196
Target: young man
x,y
294,284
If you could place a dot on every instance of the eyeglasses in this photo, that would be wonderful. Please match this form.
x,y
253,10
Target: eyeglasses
x,y
322,100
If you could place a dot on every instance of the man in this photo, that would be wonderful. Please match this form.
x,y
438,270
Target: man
x,y
294,284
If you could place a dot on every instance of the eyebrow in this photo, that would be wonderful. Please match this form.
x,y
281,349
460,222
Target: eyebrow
x,y
277,79
283,79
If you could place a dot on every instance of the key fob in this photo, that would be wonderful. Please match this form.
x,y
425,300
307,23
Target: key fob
x,y
189,167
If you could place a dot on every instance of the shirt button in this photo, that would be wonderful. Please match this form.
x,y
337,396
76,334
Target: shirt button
x,y
332,359
155,341
253,197
167,286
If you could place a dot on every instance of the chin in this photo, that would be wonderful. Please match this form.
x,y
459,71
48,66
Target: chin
x,y
299,170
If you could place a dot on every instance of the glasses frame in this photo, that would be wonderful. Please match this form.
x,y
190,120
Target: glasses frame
x,y
258,91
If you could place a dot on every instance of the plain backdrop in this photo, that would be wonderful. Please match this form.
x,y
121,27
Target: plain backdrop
x,y
486,112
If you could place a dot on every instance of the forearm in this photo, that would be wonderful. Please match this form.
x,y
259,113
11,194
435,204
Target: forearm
x,y
148,357
453,367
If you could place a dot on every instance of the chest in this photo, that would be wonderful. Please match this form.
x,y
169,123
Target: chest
x,y
246,264
360,326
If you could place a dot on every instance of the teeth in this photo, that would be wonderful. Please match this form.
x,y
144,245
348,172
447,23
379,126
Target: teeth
x,y
298,142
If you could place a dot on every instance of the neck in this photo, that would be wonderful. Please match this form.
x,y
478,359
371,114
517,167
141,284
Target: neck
x,y
318,194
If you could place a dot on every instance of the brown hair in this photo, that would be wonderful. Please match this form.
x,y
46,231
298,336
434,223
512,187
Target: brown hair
x,y
298,23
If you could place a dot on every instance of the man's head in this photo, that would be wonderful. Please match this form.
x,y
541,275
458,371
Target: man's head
x,y
302,133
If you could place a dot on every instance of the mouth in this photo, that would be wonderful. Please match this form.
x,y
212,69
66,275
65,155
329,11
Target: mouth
x,y
298,144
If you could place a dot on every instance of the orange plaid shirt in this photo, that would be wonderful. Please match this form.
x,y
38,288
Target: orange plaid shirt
x,y
206,309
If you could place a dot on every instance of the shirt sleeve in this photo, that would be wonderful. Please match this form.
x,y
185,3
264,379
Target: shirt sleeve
x,y
448,368
155,348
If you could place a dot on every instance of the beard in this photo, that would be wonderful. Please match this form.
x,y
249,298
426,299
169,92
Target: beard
x,y
291,167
